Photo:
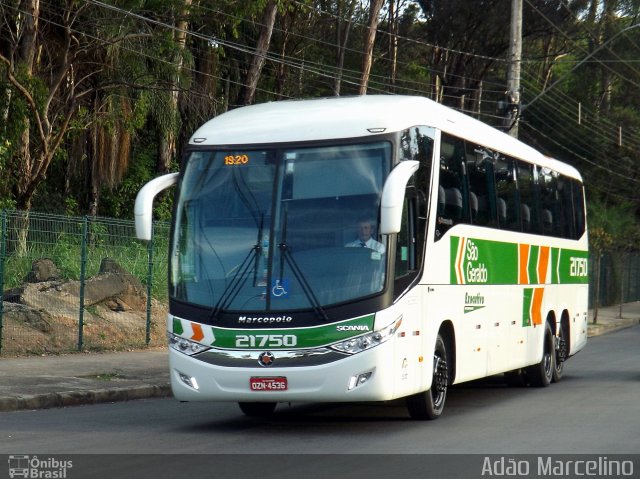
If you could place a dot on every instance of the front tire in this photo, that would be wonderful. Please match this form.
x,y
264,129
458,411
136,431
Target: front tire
x,y
541,374
257,409
430,404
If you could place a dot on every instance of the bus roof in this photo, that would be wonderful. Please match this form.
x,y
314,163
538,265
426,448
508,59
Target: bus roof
x,y
358,116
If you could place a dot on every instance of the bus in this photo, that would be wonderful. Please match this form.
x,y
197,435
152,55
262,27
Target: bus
x,y
471,256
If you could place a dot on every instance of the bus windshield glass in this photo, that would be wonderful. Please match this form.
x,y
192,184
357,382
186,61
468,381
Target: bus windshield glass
x,y
280,229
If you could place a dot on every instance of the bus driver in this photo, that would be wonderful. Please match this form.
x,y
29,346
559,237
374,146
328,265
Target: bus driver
x,y
365,240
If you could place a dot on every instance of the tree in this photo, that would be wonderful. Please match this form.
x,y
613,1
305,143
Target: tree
x,y
343,23
370,37
248,93
613,228
168,130
600,241
44,89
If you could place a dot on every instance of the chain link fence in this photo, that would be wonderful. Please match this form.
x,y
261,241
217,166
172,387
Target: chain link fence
x,y
619,279
86,283
79,283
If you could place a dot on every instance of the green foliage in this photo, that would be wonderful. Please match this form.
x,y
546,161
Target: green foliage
x,y
612,227
119,202
127,70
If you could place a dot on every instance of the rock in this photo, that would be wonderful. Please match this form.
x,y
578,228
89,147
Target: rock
x,y
38,319
109,265
43,269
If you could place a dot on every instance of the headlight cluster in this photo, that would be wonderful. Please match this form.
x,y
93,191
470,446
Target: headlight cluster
x,y
184,345
369,340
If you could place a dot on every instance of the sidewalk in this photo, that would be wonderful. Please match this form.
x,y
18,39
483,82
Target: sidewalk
x,y
86,378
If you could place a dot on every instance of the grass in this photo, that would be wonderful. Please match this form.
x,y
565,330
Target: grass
x,y
64,247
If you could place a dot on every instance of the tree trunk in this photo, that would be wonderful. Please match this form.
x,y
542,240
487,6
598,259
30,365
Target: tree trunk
x,y
596,299
393,42
31,8
342,37
167,144
370,37
248,93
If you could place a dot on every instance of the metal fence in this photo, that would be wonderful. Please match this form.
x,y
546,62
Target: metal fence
x,y
86,283
79,283
619,279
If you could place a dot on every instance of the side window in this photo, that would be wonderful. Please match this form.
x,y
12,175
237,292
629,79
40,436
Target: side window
x,y
410,240
482,200
567,208
528,197
507,203
416,143
452,208
550,216
578,204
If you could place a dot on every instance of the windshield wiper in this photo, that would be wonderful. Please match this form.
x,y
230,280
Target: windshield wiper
x,y
240,277
285,252
237,282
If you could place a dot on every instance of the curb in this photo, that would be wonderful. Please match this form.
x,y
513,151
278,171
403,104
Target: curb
x,y
604,328
75,398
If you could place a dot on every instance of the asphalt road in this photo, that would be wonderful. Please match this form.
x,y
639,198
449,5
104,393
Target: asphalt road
x,y
595,409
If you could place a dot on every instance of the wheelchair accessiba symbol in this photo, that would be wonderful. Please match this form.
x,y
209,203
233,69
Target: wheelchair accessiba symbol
x,y
280,288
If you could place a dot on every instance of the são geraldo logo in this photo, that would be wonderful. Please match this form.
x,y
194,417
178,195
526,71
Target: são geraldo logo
x,y
469,269
38,468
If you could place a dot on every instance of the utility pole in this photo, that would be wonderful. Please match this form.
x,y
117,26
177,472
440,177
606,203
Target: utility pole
x,y
512,110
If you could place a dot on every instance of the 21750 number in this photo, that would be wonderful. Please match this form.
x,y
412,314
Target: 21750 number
x,y
266,340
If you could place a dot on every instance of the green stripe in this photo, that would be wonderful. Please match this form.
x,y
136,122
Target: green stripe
x,y
312,337
555,256
532,267
496,262
527,297
574,266
177,326
455,243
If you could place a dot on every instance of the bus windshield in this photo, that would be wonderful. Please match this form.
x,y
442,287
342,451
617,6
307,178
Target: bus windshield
x,y
273,229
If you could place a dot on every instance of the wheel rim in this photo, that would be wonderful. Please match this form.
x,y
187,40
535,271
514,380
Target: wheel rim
x,y
561,348
440,380
548,358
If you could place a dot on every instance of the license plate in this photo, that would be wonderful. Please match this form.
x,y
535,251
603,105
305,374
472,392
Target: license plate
x,y
268,383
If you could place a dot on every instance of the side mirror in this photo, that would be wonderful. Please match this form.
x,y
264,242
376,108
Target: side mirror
x,y
144,203
393,196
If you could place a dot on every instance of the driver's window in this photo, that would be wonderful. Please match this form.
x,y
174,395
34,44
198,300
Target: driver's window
x,y
410,240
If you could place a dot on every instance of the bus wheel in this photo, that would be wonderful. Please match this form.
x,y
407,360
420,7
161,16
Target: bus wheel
x,y
561,353
541,374
257,409
429,404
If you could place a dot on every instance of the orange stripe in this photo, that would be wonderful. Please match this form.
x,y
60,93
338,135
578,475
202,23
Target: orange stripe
x,y
543,264
197,332
523,275
536,305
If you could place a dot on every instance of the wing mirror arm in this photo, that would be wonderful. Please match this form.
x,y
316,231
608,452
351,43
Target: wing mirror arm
x,y
393,196
144,203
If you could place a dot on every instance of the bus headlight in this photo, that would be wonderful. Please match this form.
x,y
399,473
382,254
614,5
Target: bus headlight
x,y
369,340
184,345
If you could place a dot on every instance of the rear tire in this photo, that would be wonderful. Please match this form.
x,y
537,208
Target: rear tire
x,y
257,409
430,404
541,374
561,353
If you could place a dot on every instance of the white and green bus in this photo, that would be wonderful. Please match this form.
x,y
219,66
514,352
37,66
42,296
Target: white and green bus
x,y
470,259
